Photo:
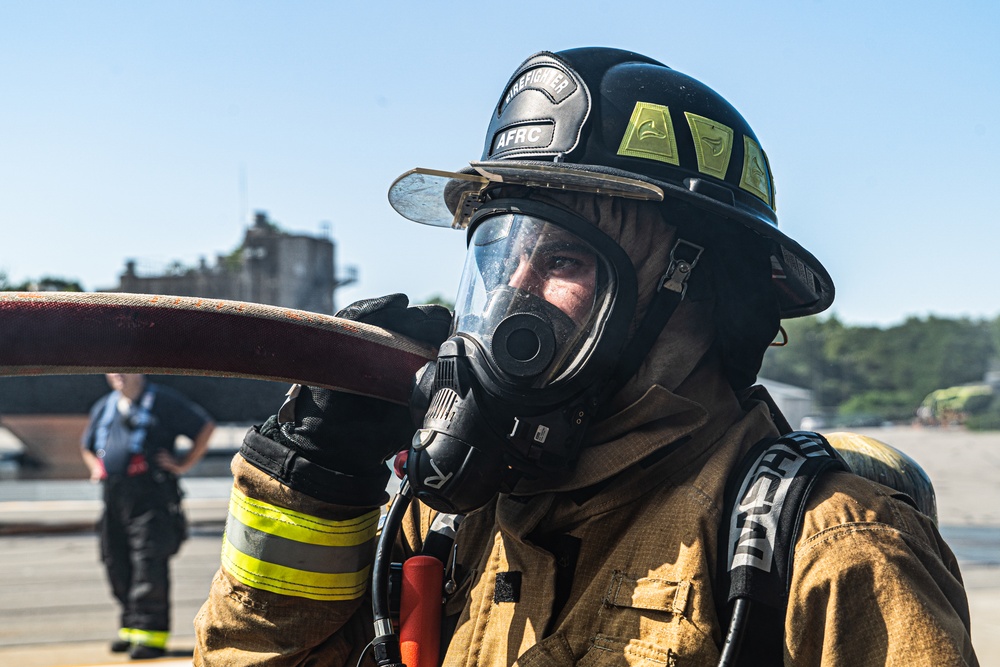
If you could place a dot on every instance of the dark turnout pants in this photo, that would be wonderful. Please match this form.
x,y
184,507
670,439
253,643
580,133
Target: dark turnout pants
x,y
139,534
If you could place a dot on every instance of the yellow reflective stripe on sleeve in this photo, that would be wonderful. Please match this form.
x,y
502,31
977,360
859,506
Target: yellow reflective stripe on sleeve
x,y
299,527
290,581
279,550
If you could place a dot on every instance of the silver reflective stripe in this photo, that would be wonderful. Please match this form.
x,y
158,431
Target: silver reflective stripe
x,y
298,555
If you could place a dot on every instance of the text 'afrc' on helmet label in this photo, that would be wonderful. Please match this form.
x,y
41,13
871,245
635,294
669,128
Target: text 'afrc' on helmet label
x,y
525,135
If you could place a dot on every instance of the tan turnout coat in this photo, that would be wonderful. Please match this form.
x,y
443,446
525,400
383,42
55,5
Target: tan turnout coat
x,y
873,582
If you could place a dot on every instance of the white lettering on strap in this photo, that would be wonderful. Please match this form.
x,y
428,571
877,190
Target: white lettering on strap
x,y
760,507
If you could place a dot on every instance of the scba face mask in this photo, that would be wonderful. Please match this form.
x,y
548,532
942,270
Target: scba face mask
x,y
533,296
543,310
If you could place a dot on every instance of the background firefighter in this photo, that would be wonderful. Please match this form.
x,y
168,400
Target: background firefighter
x,y
128,446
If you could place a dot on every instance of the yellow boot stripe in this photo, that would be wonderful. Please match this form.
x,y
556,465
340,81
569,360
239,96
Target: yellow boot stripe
x,y
290,581
151,638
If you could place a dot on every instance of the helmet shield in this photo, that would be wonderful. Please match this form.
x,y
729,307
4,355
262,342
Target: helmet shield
x,y
535,297
449,199
438,198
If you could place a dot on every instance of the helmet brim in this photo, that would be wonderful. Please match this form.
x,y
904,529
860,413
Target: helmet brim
x,y
439,198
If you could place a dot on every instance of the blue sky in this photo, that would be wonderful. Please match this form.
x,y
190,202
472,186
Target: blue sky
x,y
127,130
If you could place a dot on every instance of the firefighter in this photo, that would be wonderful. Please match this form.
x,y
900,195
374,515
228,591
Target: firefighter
x,y
592,397
128,446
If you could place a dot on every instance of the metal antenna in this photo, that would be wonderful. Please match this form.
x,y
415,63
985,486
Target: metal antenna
x,y
243,212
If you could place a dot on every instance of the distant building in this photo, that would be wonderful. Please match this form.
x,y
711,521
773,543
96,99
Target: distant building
x,y
992,375
270,266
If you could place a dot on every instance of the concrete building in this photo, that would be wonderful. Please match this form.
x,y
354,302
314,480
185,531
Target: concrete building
x,y
271,266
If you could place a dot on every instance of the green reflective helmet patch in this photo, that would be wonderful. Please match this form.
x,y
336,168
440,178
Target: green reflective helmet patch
x,y
755,179
650,134
713,143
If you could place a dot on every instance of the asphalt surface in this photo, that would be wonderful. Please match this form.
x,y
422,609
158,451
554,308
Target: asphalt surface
x,y
55,604
56,610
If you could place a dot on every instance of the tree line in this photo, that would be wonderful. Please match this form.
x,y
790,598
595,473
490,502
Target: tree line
x,y
43,284
883,373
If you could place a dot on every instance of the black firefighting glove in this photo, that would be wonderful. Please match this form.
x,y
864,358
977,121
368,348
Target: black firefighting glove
x,y
335,444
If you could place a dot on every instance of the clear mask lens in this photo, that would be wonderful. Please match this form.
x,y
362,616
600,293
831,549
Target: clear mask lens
x,y
534,295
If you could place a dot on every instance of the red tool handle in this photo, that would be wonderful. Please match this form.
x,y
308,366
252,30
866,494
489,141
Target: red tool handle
x,y
420,611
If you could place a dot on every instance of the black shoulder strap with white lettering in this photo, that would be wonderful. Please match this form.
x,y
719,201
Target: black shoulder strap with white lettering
x,y
764,506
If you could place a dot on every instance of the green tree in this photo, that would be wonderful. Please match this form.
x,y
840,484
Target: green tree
x,y
883,372
440,300
804,360
43,284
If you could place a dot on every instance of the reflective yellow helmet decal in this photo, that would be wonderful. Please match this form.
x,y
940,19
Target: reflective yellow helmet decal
x,y
713,142
756,178
650,134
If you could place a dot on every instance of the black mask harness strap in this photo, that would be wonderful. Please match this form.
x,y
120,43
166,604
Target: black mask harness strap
x,y
670,292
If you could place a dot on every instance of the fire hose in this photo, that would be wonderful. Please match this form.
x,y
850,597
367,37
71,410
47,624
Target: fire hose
x,y
69,333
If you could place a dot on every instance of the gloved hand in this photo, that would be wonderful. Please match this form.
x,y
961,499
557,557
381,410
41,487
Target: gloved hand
x,y
354,434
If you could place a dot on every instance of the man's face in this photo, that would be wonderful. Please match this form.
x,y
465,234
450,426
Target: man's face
x,y
554,265
126,383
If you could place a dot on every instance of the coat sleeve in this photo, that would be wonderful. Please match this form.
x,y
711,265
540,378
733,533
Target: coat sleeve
x,y
292,588
873,583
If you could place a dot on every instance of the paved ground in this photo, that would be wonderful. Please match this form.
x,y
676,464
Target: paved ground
x,y
55,609
964,467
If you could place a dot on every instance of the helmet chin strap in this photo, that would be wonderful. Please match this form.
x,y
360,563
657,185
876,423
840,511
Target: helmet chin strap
x,y
670,292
